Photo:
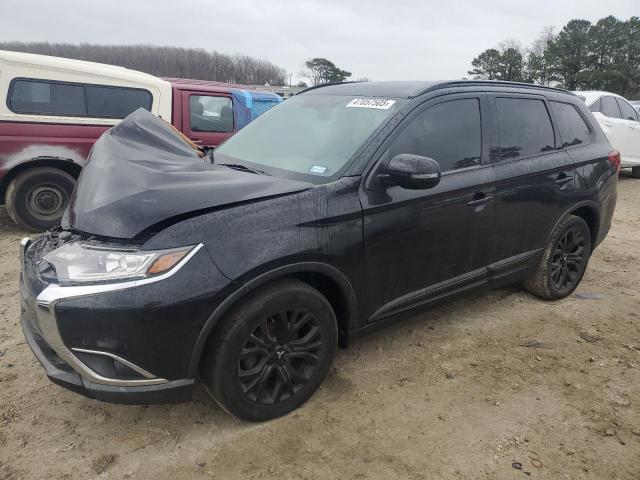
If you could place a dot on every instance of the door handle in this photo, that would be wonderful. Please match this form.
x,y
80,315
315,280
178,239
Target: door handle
x,y
608,124
563,179
480,199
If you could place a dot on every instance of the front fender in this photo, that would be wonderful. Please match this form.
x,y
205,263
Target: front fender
x,y
324,269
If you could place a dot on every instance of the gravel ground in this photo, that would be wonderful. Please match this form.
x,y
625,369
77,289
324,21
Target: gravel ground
x,y
496,386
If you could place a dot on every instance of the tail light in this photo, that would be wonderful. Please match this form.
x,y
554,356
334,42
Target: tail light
x,y
614,160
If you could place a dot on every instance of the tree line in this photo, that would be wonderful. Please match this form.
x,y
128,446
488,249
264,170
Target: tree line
x,y
583,56
179,62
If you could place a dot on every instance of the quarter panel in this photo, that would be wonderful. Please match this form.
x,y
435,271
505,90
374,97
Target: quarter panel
x,y
21,142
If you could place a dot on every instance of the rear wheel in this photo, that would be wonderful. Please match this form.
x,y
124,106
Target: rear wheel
x,y
635,172
563,261
37,198
272,352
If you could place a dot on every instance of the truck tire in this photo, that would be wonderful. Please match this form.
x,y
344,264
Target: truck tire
x,y
37,197
635,172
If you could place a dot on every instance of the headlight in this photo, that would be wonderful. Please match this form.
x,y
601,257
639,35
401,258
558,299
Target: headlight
x,y
79,262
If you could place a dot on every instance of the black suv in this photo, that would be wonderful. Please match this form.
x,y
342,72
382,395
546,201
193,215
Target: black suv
x,y
329,216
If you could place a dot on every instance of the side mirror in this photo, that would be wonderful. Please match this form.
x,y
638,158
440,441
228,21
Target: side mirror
x,y
412,172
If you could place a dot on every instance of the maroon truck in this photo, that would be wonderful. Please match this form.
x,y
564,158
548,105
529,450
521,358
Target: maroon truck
x,y
54,109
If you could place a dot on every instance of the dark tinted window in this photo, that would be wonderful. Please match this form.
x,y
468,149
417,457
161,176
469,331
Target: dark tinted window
x,y
115,102
573,129
210,114
627,110
46,98
525,127
610,107
77,100
449,132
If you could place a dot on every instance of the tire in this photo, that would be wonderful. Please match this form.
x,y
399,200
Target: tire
x,y
271,352
563,261
635,172
37,198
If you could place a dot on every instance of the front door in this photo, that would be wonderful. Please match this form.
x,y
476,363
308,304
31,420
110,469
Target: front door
x,y
207,119
422,244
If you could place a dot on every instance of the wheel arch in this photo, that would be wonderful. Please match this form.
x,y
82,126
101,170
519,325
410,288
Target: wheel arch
x,y
66,165
590,213
327,279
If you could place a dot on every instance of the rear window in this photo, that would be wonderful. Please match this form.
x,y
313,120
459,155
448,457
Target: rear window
x,y
609,107
573,129
525,128
46,97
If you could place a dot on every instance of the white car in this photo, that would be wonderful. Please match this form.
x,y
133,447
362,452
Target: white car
x,y
636,104
620,122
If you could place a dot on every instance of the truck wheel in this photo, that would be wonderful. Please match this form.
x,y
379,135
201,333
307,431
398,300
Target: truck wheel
x,y
271,352
563,261
635,172
37,198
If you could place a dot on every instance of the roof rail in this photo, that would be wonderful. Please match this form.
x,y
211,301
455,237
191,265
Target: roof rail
x,y
451,83
328,84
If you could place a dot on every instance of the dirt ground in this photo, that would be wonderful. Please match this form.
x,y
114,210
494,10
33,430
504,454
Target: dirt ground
x,y
504,386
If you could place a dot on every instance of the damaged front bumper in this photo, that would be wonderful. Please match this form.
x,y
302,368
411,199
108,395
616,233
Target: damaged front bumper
x,y
82,370
61,373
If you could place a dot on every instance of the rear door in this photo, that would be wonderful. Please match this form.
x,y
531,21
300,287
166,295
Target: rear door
x,y
607,112
534,181
207,118
631,143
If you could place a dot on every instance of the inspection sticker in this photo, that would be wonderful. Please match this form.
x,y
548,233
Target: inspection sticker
x,y
318,169
380,103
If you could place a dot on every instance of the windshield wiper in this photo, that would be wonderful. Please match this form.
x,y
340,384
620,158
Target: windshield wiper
x,y
243,168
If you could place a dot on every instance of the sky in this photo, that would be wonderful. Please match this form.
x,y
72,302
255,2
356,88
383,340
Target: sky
x,y
377,39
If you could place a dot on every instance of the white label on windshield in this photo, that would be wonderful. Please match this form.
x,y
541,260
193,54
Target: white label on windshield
x,y
318,169
380,103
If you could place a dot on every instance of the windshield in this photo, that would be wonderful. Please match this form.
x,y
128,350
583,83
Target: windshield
x,y
308,136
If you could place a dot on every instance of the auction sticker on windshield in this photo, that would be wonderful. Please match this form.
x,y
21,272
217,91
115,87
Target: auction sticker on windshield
x,y
381,103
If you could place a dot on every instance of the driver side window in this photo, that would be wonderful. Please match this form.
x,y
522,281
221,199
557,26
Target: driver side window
x,y
210,114
449,132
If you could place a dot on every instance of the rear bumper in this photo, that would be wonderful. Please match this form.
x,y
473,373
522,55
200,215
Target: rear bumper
x,y
61,373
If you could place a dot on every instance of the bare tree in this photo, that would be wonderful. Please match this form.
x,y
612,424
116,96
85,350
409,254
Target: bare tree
x,y
165,61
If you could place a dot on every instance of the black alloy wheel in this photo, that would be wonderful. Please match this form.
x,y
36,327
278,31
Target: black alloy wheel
x,y
568,259
280,356
271,351
563,261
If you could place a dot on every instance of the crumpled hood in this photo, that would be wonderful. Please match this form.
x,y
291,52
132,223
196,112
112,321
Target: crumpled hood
x,y
141,173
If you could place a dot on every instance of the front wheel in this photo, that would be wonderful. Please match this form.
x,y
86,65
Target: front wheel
x,y
563,261
635,172
271,352
37,198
